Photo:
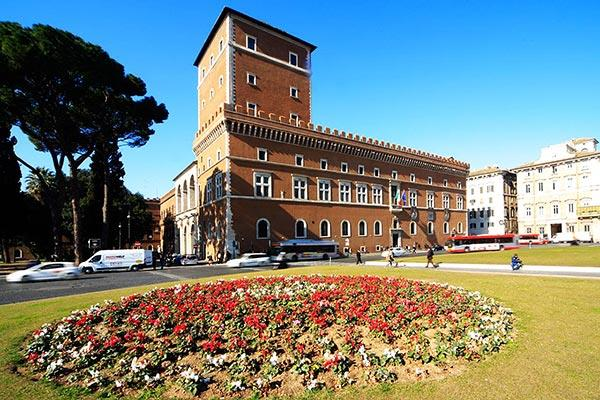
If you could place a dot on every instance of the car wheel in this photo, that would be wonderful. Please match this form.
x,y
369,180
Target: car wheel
x,y
134,268
294,258
88,270
70,275
467,249
501,247
26,278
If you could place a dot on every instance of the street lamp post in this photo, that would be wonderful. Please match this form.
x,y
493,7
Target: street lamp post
x,y
119,235
128,229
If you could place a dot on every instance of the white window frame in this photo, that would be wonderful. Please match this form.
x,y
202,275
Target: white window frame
x,y
430,200
212,93
291,53
377,222
248,37
296,229
376,172
268,228
349,234
293,92
251,78
394,174
445,182
447,228
208,190
301,157
263,151
413,178
361,169
430,228
412,228
218,186
344,167
429,180
324,162
301,189
324,193
446,201
328,228
262,184
362,222
295,117
362,193
221,45
377,194
253,107
460,202
412,198
345,196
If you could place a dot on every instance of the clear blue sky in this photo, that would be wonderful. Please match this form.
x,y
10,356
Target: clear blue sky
x,y
486,82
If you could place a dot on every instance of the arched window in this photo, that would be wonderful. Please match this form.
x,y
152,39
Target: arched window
x,y
18,254
184,198
150,247
446,228
430,228
263,229
300,228
377,228
346,228
192,198
179,202
413,228
325,228
395,223
362,228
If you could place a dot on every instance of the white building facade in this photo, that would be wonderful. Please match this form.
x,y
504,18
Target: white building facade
x,y
560,192
186,210
492,201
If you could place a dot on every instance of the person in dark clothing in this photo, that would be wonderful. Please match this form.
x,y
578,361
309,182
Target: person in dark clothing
x,y
430,258
358,258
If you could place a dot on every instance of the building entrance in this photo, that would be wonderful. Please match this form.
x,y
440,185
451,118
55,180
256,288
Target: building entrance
x,y
555,228
396,240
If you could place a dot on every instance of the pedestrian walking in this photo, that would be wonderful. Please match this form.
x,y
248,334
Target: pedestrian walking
x,y
430,258
358,258
391,261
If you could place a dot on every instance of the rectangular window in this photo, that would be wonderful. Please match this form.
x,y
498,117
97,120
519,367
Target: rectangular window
x,y
300,188
221,45
460,202
251,79
586,228
218,186
412,198
208,191
361,194
377,195
528,211
251,42
540,170
571,208
553,185
394,174
375,171
555,209
294,118
541,211
446,201
554,169
262,154
323,164
429,180
299,160
459,185
262,185
212,60
251,108
221,81
344,167
569,183
324,190
413,178
541,186
445,182
527,188
361,169
430,200
345,192
293,92
294,59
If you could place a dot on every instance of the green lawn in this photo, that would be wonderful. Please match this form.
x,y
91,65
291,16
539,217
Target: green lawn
x,y
588,256
556,354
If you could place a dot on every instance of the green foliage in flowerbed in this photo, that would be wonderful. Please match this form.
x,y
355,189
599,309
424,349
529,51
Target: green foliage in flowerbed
x,y
275,335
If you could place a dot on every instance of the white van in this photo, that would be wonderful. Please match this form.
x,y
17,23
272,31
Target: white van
x,y
114,260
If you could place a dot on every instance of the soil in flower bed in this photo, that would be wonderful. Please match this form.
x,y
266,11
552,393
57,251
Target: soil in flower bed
x,y
276,335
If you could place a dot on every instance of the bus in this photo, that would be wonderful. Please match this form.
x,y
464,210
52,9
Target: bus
x,y
465,244
307,249
532,238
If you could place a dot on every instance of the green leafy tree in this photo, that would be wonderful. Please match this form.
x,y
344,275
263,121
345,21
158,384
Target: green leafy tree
x,y
58,86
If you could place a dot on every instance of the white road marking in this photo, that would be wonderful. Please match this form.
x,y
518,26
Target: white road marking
x,y
166,275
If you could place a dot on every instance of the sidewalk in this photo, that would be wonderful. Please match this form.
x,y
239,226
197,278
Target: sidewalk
x,y
539,269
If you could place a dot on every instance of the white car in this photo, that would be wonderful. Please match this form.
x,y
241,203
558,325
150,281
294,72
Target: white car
x,y
45,271
396,252
250,260
191,259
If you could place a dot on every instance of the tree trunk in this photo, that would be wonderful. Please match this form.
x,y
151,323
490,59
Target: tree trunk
x,y
5,251
105,216
74,184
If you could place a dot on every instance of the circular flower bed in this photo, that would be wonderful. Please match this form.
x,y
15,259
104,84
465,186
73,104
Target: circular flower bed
x,y
277,335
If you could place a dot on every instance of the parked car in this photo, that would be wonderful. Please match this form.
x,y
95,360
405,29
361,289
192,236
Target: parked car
x,y
45,271
396,252
250,260
190,259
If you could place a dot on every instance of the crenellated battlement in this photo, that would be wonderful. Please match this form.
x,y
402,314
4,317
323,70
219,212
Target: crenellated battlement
x,y
239,109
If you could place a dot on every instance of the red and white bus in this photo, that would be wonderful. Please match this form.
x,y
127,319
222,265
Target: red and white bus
x,y
532,238
465,244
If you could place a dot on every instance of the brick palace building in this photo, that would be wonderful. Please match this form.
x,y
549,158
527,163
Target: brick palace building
x,y
266,173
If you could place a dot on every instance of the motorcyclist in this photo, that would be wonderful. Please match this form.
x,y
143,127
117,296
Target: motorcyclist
x,y
516,262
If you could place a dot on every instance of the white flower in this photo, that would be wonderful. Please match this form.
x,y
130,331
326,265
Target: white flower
x,y
313,384
189,374
150,379
236,386
118,383
137,366
274,359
